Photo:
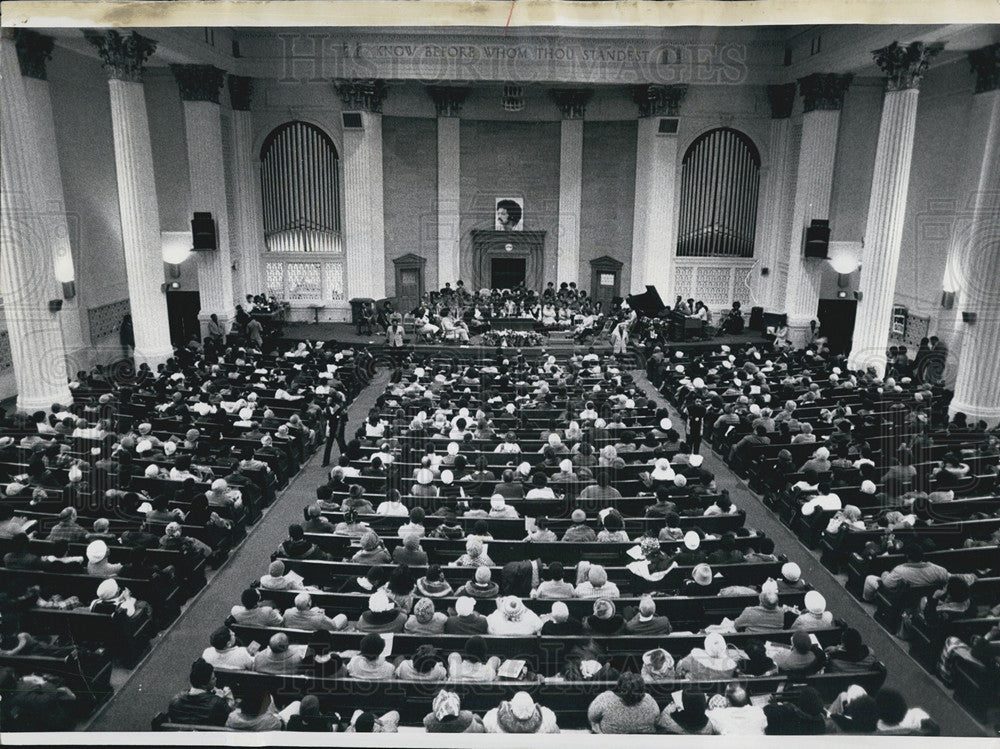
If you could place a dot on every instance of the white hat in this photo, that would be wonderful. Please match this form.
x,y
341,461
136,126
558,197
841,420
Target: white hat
x,y
497,502
453,448
219,485
679,355
447,476
691,540
666,424
169,448
246,413
698,382
510,408
791,572
696,460
679,369
145,427
522,706
727,364
465,605
662,470
755,409
725,349
680,480
524,468
868,487
152,471
629,403
424,476
75,474
96,551
379,602
565,465
107,590
815,603
419,372
143,446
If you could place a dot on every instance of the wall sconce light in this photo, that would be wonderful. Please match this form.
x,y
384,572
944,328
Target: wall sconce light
x,y
947,299
69,289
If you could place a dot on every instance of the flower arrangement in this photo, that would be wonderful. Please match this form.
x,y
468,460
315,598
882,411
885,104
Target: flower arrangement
x,y
512,338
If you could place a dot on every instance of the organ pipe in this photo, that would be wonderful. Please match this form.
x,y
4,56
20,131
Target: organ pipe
x,y
719,188
299,189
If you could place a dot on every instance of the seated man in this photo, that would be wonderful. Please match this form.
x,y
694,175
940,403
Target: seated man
x,y
203,704
453,330
913,572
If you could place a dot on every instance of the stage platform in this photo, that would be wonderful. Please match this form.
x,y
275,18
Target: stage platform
x,y
559,344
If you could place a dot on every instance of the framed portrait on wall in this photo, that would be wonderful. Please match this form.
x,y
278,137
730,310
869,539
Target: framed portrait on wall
x,y
509,214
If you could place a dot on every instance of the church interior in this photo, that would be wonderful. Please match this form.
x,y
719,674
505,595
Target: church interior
x,y
719,303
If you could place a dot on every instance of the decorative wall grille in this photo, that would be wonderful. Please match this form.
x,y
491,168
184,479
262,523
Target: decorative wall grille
x,y
720,178
105,320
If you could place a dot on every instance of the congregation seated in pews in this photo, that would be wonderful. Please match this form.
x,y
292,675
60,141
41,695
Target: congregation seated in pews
x,y
114,506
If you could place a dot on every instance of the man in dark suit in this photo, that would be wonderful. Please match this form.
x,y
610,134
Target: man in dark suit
x,y
202,704
335,414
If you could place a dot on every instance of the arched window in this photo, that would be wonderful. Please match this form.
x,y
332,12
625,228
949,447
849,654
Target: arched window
x,y
300,192
720,178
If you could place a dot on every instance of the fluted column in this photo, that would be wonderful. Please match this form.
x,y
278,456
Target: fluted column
x,y
977,385
200,86
904,67
774,209
363,175
823,95
123,59
573,105
26,268
448,103
654,226
247,224
33,51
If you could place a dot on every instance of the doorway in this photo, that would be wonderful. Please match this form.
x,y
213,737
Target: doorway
x,y
836,321
182,315
507,272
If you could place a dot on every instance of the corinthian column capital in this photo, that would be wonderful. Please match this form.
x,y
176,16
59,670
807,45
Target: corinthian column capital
x,y
199,82
824,91
366,95
33,51
905,64
123,57
653,99
985,63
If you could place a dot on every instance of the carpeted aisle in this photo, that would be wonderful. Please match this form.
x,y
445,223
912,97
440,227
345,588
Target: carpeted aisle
x,y
904,673
164,671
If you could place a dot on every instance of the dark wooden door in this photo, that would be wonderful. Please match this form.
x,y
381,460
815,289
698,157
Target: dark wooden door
x,y
604,286
182,316
410,289
836,321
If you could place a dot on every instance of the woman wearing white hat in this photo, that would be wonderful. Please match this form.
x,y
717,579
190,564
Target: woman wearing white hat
x,y
512,618
709,662
97,561
520,715
815,616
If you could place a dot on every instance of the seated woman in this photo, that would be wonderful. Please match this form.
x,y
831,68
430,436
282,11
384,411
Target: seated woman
x,y
473,664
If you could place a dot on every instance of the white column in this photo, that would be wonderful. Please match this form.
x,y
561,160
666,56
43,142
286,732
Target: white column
x,y
26,269
887,207
570,195
774,206
247,225
449,195
977,386
140,213
364,222
823,95
199,86
33,51
654,223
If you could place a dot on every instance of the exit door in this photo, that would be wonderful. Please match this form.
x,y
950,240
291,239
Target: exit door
x,y
836,321
182,315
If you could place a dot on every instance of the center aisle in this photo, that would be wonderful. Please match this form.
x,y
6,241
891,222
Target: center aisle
x,y
164,671
904,673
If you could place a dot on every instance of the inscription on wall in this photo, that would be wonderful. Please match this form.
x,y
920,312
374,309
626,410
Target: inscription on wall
x,y
6,358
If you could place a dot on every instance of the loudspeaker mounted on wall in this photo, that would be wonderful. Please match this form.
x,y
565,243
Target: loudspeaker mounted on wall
x,y
353,121
203,232
69,289
969,317
947,299
817,238
55,305
668,126
765,270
